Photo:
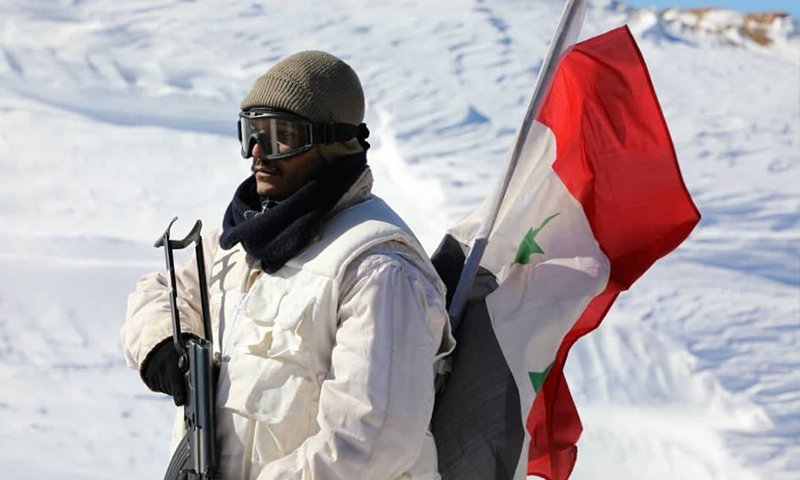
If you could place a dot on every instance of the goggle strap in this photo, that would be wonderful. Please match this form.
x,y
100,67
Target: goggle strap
x,y
363,134
337,132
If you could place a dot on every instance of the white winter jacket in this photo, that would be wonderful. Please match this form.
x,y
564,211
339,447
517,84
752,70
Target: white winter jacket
x,y
327,364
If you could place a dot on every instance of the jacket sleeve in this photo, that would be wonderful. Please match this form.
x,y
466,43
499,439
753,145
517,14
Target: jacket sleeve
x,y
376,404
148,319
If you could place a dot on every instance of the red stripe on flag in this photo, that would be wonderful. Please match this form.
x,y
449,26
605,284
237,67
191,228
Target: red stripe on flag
x,y
615,156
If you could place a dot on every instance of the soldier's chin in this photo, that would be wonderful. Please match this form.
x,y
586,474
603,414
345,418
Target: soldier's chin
x,y
270,190
264,187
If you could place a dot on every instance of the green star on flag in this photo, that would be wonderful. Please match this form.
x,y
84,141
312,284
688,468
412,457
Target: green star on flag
x,y
538,378
529,246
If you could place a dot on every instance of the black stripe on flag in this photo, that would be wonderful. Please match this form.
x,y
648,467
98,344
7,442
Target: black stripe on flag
x,y
476,419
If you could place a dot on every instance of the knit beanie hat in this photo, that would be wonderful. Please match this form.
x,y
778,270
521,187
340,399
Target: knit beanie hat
x,y
317,86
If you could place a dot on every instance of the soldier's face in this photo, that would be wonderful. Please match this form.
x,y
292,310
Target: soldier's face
x,y
277,179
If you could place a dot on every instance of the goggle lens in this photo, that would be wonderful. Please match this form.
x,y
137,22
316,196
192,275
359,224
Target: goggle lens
x,y
277,137
282,135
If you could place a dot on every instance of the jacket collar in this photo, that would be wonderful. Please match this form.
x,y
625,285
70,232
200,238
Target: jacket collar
x,y
358,192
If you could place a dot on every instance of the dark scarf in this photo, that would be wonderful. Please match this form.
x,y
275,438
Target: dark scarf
x,y
280,232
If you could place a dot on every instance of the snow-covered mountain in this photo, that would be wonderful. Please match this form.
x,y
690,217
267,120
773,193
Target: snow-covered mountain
x,y
772,32
115,116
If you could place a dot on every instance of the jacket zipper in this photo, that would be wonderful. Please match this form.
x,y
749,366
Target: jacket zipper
x,y
227,343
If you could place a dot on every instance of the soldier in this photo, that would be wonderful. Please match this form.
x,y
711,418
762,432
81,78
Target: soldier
x,y
327,313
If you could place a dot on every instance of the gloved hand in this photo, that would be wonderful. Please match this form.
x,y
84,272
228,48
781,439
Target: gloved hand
x,y
161,373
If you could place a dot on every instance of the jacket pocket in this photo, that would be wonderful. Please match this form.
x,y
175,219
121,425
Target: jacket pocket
x,y
268,374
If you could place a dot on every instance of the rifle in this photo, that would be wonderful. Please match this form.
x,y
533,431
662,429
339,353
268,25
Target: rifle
x,y
195,458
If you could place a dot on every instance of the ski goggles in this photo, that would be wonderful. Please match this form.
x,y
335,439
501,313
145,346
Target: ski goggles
x,y
282,134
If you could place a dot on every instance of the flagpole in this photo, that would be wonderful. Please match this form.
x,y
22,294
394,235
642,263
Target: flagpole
x,y
566,34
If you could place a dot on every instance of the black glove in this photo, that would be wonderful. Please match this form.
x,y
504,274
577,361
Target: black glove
x,y
160,370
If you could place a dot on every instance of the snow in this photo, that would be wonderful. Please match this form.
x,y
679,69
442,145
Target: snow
x,y
117,116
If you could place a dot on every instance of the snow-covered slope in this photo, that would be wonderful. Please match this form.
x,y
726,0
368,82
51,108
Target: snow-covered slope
x,y
117,116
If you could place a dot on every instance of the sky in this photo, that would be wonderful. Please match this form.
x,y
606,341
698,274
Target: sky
x,y
791,6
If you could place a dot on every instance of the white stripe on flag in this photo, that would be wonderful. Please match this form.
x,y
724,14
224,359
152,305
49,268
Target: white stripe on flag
x,y
536,304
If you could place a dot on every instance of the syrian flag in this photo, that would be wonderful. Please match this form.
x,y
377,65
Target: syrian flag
x,y
594,198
